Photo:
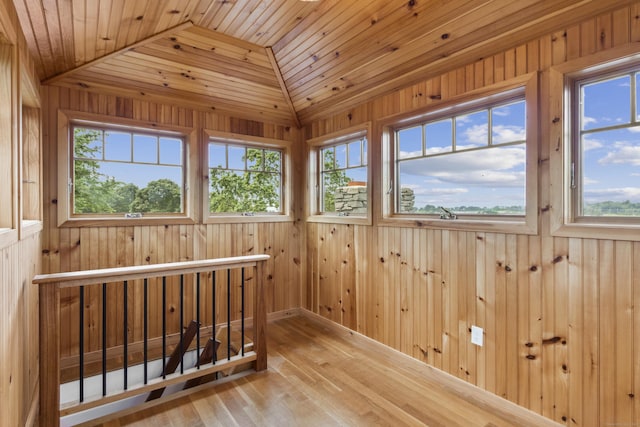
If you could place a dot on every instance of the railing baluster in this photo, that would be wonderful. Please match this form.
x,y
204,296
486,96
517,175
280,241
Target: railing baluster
x,y
104,339
213,315
164,325
125,362
198,320
242,310
81,344
181,324
145,313
228,314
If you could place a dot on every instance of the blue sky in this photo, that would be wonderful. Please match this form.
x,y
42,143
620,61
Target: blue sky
x,y
611,156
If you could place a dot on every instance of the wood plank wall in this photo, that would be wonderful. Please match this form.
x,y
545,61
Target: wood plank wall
x,y
20,256
560,315
75,248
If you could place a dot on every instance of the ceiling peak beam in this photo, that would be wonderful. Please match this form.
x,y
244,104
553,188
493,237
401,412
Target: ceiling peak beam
x,y
283,86
169,31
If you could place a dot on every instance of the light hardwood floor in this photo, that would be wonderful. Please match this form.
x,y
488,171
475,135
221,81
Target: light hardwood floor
x,y
322,375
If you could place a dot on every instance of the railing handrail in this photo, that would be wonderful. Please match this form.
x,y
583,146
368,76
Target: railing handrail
x,y
90,277
50,308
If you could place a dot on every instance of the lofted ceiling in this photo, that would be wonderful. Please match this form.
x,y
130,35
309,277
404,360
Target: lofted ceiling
x,y
287,61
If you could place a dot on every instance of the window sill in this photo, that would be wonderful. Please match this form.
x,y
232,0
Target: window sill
x,y
8,236
496,225
30,227
625,231
336,219
242,219
125,222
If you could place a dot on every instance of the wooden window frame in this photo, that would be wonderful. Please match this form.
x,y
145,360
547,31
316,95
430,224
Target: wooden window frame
x,y
9,132
314,146
30,168
285,215
66,121
563,221
526,84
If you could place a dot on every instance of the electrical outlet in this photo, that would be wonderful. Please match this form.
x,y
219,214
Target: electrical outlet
x,y
477,336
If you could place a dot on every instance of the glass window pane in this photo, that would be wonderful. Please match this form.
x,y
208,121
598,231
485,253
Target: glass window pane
x,y
466,183
145,149
217,155
117,146
255,161
87,143
171,151
273,161
355,155
341,156
472,130
611,173
637,76
328,158
508,123
236,157
439,136
410,142
364,151
606,103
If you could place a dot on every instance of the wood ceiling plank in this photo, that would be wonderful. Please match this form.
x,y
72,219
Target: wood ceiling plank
x,y
106,57
283,87
127,20
256,17
135,26
240,12
279,23
151,68
218,13
304,25
30,37
102,33
65,13
79,24
134,89
240,51
90,30
391,80
209,60
39,26
387,36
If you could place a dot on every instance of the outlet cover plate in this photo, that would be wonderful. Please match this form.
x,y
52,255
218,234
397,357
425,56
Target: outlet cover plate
x,y
477,337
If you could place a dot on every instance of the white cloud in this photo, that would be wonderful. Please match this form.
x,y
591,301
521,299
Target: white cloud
x,y
635,129
589,181
508,134
588,120
620,194
476,134
623,153
501,167
590,144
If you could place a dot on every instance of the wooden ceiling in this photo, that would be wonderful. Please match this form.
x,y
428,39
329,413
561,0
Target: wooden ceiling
x,y
287,61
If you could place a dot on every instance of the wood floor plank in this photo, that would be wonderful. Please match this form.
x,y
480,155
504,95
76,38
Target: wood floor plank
x,y
320,374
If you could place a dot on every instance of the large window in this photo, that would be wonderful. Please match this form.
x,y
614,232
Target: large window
x,y
118,172
342,166
340,180
246,179
470,162
605,158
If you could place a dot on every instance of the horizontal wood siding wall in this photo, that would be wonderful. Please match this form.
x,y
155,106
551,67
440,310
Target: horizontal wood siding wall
x,y
560,315
78,248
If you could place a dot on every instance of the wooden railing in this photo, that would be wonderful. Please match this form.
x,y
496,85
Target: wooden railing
x,y
198,276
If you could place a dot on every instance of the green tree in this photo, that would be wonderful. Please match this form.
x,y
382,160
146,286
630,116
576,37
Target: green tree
x,y
332,179
161,195
256,189
87,197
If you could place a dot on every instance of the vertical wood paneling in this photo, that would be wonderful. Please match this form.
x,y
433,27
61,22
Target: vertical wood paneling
x,y
560,315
